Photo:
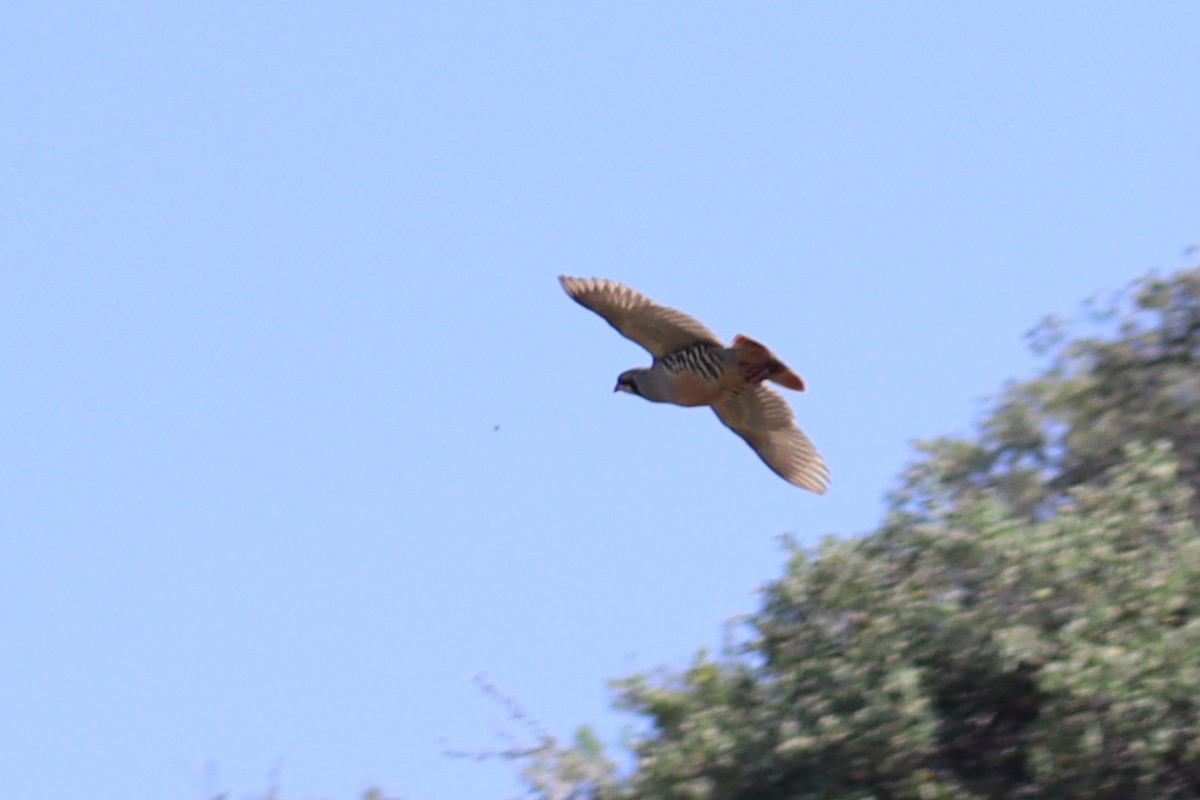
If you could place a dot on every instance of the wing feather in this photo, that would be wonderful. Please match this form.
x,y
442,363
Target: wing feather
x,y
764,419
659,329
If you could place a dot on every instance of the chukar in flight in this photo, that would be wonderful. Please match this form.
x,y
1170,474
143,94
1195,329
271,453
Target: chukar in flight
x,y
692,367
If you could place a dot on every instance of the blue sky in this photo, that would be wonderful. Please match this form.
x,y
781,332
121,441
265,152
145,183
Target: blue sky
x,y
271,274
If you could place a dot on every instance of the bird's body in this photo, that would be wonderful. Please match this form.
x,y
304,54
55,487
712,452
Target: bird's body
x,y
692,367
692,376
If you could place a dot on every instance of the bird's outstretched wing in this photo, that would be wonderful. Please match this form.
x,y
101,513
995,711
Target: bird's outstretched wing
x,y
763,418
659,329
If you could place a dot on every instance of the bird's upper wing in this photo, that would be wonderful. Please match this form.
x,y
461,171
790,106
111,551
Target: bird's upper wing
x,y
659,329
763,418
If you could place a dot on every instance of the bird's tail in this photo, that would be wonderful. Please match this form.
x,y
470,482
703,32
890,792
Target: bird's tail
x,y
757,364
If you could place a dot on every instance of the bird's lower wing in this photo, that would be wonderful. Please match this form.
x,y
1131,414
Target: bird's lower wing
x,y
659,329
763,418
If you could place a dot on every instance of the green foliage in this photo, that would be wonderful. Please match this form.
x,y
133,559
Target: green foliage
x,y
1026,622
1136,380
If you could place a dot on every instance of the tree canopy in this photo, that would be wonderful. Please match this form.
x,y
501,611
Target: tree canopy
x,y
1025,622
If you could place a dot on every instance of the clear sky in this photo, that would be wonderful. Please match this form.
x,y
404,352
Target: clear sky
x,y
300,432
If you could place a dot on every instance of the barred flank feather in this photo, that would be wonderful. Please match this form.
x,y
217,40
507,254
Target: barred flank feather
x,y
698,359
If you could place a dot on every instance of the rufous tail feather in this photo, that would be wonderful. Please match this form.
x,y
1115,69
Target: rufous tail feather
x,y
757,364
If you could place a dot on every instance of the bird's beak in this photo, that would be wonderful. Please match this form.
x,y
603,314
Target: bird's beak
x,y
616,388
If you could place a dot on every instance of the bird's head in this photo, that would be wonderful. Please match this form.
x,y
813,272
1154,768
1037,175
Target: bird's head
x,y
627,381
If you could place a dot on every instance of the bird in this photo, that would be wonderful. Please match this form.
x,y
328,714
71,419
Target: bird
x,y
692,367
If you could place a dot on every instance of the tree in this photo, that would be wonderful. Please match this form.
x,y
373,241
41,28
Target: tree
x,y
1025,623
